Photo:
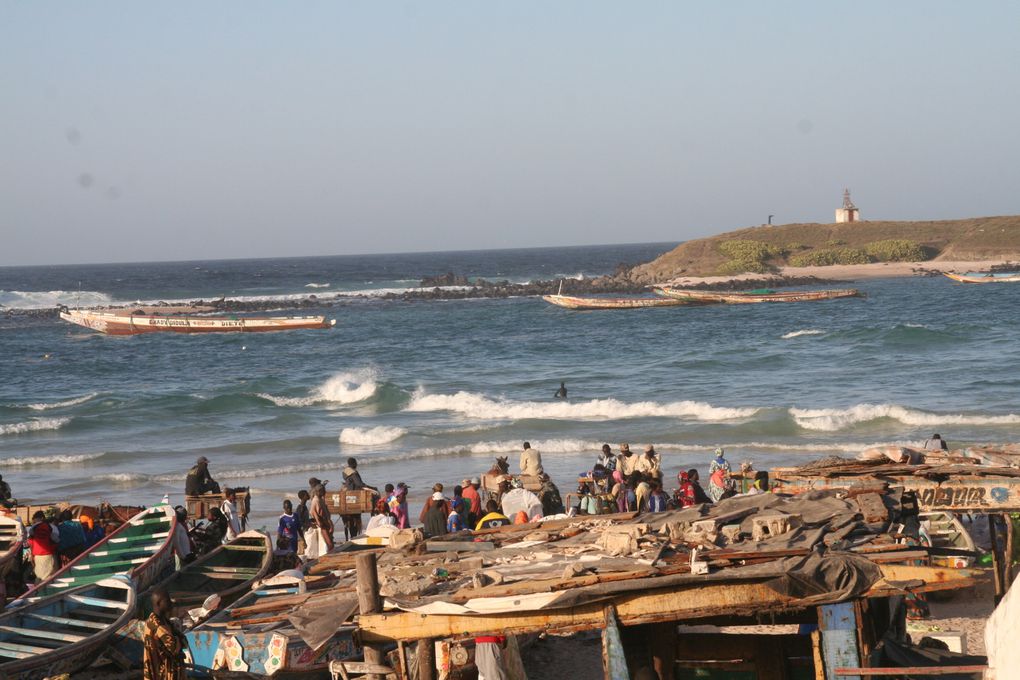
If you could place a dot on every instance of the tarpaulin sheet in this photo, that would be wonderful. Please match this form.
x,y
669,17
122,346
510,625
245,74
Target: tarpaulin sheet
x,y
317,623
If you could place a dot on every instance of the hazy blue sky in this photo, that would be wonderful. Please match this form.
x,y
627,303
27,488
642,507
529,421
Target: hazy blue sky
x,y
140,130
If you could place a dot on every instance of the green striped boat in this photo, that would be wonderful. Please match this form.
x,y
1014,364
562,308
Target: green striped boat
x,y
141,549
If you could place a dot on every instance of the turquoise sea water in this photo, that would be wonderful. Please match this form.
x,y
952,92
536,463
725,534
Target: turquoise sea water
x,y
433,391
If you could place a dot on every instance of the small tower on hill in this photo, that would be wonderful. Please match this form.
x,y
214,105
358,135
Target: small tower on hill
x,y
849,212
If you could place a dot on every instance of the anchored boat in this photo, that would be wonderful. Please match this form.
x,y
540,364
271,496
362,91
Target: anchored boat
x,y
755,296
140,549
947,531
571,302
990,277
120,323
63,633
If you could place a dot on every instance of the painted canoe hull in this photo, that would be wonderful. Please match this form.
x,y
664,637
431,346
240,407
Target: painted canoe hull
x,y
570,302
1011,277
137,324
81,648
753,298
946,530
278,651
156,562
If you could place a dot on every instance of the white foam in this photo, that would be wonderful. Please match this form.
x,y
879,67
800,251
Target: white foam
x,y
371,436
42,406
48,299
36,425
316,285
342,388
797,334
830,420
49,460
474,405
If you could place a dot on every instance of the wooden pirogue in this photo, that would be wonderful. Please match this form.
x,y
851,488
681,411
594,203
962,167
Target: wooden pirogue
x,y
142,549
571,302
118,323
227,571
12,538
992,277
65,632
754,296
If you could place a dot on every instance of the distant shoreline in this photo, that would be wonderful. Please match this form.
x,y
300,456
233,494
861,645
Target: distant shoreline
x,y
850,272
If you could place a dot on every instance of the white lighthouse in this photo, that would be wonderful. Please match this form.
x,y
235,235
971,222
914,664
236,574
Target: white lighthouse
x,y
849,212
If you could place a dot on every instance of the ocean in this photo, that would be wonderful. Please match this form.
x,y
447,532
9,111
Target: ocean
x,y
431,391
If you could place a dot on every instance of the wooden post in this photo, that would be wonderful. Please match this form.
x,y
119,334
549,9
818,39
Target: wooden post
x,y
663,644
425,659
1000,589
838,625
614,661
369,602
1008,558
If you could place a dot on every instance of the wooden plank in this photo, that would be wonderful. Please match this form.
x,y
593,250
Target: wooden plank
x,y
909,670
459,546
838,624
1000,587
66,621
45,634
369,602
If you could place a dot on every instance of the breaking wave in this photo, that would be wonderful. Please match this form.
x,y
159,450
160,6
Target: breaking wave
x,y
797,334
343,388
43,406
830,420
316,285
32,299
475,405
28,461
35,425
371,436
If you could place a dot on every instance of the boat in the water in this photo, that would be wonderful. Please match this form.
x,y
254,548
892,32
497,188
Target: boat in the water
x,y
572,302
989,277
754,296
228,571
141,549
63,633
12,539
126,323
945,530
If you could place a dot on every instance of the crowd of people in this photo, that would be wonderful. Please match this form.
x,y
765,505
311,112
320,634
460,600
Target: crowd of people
x,y
618,482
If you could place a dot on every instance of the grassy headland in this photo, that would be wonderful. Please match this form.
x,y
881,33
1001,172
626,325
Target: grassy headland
x,y
770,250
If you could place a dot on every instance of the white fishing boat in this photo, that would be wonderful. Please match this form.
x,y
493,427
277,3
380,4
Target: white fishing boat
x,y
126,323
990,277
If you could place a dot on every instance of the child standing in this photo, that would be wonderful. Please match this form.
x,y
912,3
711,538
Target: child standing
x,y
289,527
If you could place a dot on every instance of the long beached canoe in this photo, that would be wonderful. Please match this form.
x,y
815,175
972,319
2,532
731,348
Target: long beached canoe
x,y
754,296
63,633
113,323
977,277
571,302
142,549
228,571
12,538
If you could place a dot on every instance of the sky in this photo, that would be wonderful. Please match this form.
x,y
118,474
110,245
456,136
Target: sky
x,y
135,131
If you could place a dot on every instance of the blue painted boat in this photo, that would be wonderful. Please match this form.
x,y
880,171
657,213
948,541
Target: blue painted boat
x,y
263,644
985,277
65,632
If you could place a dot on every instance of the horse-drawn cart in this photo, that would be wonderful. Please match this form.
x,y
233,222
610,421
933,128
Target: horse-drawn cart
x,y
198,506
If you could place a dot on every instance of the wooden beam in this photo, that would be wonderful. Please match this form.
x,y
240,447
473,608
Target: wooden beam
x,y
694,601
369,602
909,670
1000,587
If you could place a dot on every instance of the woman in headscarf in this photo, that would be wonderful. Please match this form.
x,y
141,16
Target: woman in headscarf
x,y
684,496
718,476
